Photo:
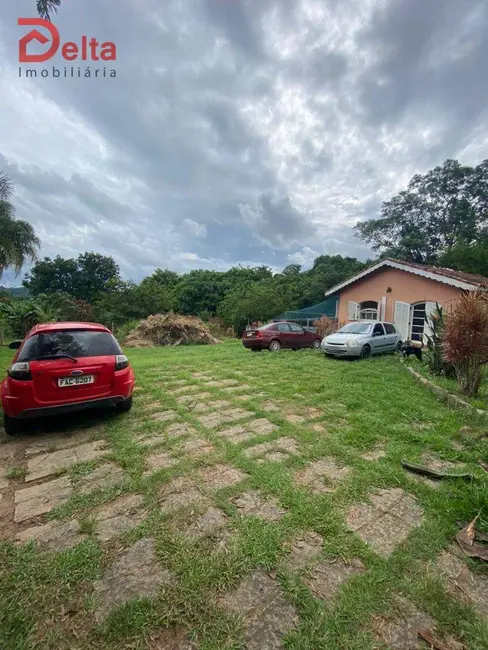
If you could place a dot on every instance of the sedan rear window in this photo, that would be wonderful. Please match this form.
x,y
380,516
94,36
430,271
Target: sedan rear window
x,y
73,343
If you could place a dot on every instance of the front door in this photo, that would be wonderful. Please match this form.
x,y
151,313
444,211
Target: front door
x,y
402,319
298,337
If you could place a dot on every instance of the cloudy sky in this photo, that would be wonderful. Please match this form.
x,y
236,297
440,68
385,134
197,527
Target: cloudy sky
x,y
238,131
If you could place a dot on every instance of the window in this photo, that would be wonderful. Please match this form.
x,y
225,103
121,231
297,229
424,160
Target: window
x,y
295,328
76,343
378,329
389,328
283,327
355,328
368,310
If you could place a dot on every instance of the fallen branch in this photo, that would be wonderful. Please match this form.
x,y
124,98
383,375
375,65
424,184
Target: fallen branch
x,y
434,473
436,644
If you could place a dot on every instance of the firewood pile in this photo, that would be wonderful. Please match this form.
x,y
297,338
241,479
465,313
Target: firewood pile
x,y
170,329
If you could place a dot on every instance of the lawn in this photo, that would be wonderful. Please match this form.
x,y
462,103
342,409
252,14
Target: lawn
x,y
247,500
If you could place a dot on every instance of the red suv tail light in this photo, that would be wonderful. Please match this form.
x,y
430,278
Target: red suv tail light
x,y
20,371
259,334
121,362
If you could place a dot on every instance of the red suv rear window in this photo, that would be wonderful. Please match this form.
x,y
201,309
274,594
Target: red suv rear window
x,y
75,343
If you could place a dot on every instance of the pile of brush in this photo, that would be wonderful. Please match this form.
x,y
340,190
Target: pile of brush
x,y
170,329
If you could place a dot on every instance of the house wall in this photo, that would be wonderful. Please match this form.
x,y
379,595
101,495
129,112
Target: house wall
x,y
406,287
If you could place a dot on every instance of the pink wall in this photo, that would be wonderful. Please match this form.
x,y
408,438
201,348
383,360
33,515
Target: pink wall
x,y
406,287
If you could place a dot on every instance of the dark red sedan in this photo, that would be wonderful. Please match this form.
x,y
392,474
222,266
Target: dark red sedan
x,y
275,336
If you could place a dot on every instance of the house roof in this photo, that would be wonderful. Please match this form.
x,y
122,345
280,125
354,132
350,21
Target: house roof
x,y
458,279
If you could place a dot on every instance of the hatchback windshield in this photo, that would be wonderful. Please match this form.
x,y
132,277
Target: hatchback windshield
x,y
355,328
69,343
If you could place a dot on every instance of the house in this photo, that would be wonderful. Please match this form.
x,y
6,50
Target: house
x,y
402,293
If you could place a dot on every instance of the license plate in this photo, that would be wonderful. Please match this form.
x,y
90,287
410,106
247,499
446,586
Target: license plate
x,y
63,382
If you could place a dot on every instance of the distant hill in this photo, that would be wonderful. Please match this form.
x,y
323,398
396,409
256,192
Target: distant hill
x,y
15,292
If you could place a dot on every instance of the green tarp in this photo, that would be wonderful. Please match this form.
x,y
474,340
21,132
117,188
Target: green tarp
x,y
326,308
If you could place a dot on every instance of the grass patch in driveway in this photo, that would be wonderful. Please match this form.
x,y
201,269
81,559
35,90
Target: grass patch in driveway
x,y
206,511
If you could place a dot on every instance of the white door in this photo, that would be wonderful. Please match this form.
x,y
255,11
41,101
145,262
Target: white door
x,y
430,308
353,311
402,318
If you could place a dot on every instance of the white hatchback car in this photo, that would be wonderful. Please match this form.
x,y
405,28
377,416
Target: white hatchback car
x,y
362,339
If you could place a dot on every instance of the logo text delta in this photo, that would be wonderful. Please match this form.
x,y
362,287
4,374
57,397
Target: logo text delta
x,y
87,49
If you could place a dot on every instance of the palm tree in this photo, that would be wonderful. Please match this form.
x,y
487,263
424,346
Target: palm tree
x,y
18,241
46,7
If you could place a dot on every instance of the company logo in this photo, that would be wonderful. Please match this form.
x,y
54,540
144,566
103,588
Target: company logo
x,y
89,49
76,373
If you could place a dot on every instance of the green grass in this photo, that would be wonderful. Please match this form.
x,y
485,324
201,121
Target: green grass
x,y
47,598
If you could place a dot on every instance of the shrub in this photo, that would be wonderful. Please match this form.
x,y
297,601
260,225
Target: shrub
x,y
466,340
325,326
436,362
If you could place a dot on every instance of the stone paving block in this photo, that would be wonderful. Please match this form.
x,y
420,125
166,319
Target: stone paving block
x,y
311,413
214,420
196,447
201,407
180,493
295,419
462,582
314,475
387,522
39,499
304,550
326,578
56,442
268,616
236,434
184,389
208,523
272,407
135,574
217,477
4,481
46,464
177,430
236,389
164,416
317,427
401,633
159,461
262,426
172,638
222,383
118,516
151,406
8,451
374,454
53,536
189,399
254,504
273,457
104,476
201,375
285,444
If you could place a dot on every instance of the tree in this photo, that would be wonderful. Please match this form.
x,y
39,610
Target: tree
x,y
85,278
468,258
46,7
257,302
445,207
18,241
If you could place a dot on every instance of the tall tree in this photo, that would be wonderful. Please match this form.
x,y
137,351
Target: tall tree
x,y
85,278
18,241
445,207
47,7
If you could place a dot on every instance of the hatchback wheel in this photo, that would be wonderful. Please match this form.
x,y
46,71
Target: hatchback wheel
x,y
274,346
399,346
316,344
123,407
12,425
365,352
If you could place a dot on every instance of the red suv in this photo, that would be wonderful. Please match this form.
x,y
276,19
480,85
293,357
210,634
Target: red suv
x,y
65,367
275,336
